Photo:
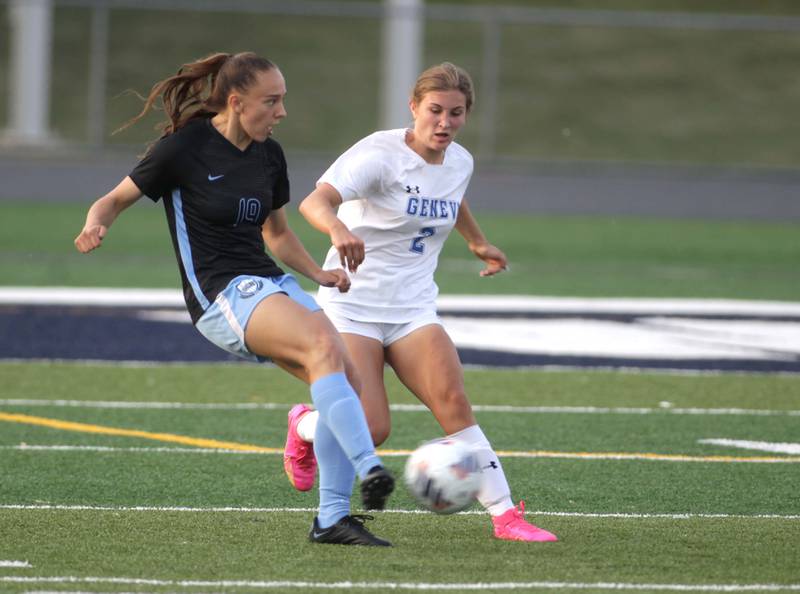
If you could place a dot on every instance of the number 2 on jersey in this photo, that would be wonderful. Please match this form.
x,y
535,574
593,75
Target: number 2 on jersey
x,y
418,243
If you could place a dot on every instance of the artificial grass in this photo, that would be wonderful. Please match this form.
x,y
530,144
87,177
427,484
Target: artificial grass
x,y
559,256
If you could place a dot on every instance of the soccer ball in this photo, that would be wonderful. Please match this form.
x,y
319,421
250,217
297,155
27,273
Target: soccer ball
x,y
443,475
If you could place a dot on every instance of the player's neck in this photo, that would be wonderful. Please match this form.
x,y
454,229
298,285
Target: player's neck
x,y
231,130
431,156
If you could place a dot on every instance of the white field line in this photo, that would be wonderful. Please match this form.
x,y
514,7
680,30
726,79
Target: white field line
x,y
15,564
762,446
666,408
133,450
283,510
118,297
111,404
447,586
645,456
144,364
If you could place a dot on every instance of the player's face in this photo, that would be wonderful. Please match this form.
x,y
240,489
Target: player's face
x,y
261,107
437,120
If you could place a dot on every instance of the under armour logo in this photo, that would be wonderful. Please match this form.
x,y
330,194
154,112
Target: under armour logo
x,y
412,189
493,465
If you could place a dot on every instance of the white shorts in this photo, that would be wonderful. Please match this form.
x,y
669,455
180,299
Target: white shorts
x,y
384,332
225,321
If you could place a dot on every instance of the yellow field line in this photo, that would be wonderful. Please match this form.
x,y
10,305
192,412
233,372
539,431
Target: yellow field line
x,y
242,447
168,437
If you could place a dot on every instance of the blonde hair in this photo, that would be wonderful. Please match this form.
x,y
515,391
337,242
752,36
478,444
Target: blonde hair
x,y
444,77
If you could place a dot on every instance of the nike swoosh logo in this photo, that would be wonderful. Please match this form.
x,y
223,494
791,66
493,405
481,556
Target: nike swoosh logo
x,y
317,534
215,177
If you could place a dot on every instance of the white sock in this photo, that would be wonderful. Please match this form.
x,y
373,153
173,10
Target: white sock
x,y
495,494
307,425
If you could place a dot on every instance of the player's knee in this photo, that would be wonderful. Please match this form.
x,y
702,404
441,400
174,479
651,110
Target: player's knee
x,y
453,405
326,351
455,401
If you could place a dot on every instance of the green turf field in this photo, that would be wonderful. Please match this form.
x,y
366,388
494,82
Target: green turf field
x,y
99,513
103,488
567,256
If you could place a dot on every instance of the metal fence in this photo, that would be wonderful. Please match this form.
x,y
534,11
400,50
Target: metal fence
x,y
486,49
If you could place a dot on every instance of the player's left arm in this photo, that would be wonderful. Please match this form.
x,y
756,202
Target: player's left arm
x,y
287,247
468,227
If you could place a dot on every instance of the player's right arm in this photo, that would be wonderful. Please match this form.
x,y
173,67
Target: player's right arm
x,y
104,212
319,209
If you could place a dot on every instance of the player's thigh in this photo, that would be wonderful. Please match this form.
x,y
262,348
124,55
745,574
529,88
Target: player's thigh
x,y
367,357
292,335
427,363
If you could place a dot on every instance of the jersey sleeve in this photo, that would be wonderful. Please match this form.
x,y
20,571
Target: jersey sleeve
x,y
154,174
357,173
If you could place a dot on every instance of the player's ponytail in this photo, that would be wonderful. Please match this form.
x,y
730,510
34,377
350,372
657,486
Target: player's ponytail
x,y
201,88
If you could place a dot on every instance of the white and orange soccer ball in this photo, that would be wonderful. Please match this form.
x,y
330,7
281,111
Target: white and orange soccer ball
x,y
443,475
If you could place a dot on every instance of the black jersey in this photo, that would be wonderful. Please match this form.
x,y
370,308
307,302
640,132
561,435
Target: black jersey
x,y
216,198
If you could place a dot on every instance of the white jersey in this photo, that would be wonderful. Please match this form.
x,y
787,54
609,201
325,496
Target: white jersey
x,y
403,208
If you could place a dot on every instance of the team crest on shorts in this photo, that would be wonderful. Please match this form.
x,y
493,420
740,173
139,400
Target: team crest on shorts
x,y
249,287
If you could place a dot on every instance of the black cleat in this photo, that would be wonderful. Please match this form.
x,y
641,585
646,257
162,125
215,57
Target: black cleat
x,y
347,531
376,488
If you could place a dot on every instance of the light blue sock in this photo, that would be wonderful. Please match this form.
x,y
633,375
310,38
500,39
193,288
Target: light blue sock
x,y
336,476
340,409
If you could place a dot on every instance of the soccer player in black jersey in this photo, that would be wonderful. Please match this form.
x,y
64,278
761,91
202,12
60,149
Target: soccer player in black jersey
x,y
223,183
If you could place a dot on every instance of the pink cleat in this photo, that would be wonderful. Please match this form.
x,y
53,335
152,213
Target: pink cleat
x,y
512,526
299,461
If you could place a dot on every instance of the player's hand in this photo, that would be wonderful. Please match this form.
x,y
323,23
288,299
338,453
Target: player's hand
x,y
335,278
493,257
349,246
90,238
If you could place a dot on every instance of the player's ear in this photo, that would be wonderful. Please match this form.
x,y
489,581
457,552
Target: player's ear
x,y
412,105
234,103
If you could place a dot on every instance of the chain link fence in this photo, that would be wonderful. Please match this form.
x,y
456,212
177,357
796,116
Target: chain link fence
x,y
552,84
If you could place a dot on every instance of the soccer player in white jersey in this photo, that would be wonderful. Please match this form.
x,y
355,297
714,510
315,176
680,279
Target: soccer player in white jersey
x,y
388,204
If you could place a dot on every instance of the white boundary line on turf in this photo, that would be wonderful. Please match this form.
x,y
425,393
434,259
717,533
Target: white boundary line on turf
x,y
761,446
113,404
450,586
133,450
647,457
593,410
143,364
278,510
15,564
122,297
